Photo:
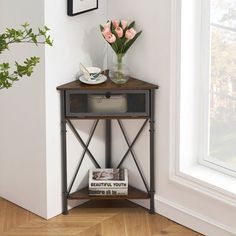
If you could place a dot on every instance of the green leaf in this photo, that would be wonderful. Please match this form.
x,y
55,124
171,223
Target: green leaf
x,y
130,42
123,40
112,26
34,38
46,28
4,66
114,47
26,24
29,31
48,41
131,25
101,28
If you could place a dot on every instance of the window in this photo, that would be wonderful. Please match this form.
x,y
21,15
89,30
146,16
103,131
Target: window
x,y
192,162
220,100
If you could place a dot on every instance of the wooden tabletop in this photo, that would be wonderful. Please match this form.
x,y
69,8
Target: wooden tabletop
x,y
132,84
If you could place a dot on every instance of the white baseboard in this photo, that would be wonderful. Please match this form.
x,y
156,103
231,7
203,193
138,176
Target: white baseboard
x,y
191,219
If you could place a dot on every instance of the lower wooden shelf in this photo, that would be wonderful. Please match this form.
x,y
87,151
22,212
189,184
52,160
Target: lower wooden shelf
x,y
133,193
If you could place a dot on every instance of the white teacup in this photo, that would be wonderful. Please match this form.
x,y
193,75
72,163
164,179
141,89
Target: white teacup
x,y
91,73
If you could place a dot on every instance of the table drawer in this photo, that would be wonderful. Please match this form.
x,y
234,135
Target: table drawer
x,y
107,103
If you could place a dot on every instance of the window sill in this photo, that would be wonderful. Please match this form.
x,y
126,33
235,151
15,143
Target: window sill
x,y
208,181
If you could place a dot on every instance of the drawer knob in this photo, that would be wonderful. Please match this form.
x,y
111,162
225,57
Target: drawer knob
x,y
108,95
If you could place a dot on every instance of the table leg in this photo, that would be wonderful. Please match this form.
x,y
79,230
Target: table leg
x,y
108,144
152,155
64,155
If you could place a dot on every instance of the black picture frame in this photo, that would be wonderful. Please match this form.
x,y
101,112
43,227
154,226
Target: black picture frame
x,y
71,6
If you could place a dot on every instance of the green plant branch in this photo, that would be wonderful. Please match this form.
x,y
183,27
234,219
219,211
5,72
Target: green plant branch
x,y
7,78
25,35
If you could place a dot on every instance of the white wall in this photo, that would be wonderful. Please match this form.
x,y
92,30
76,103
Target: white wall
x,y
22,116
76,39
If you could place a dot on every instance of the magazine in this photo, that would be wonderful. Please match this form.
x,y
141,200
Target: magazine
x,y
108,178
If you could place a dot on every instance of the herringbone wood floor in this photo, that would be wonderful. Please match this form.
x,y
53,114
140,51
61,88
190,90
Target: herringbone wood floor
x,y
122,219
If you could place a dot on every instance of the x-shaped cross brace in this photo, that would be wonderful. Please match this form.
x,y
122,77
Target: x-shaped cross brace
x,y
85,146
86,149
131,151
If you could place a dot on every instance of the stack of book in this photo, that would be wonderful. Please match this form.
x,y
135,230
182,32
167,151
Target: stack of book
x,y
108,182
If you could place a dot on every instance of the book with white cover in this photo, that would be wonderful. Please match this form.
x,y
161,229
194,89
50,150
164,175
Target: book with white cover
x,y
108,178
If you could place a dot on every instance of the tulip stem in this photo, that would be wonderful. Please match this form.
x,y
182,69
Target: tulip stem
x,y
119,67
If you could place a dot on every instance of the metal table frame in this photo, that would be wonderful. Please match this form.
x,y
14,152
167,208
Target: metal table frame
x,y
66,121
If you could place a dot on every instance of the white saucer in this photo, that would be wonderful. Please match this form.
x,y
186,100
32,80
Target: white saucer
x,y
100,79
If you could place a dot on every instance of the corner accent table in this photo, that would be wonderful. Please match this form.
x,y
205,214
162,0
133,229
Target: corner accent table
x,y
140,104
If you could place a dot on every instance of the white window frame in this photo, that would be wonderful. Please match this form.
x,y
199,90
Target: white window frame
x,y
185,168
204,124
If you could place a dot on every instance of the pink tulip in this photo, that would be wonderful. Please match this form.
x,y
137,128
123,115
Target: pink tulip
x,y
119,32
130,33
124,24
106,30
110,38
116,23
